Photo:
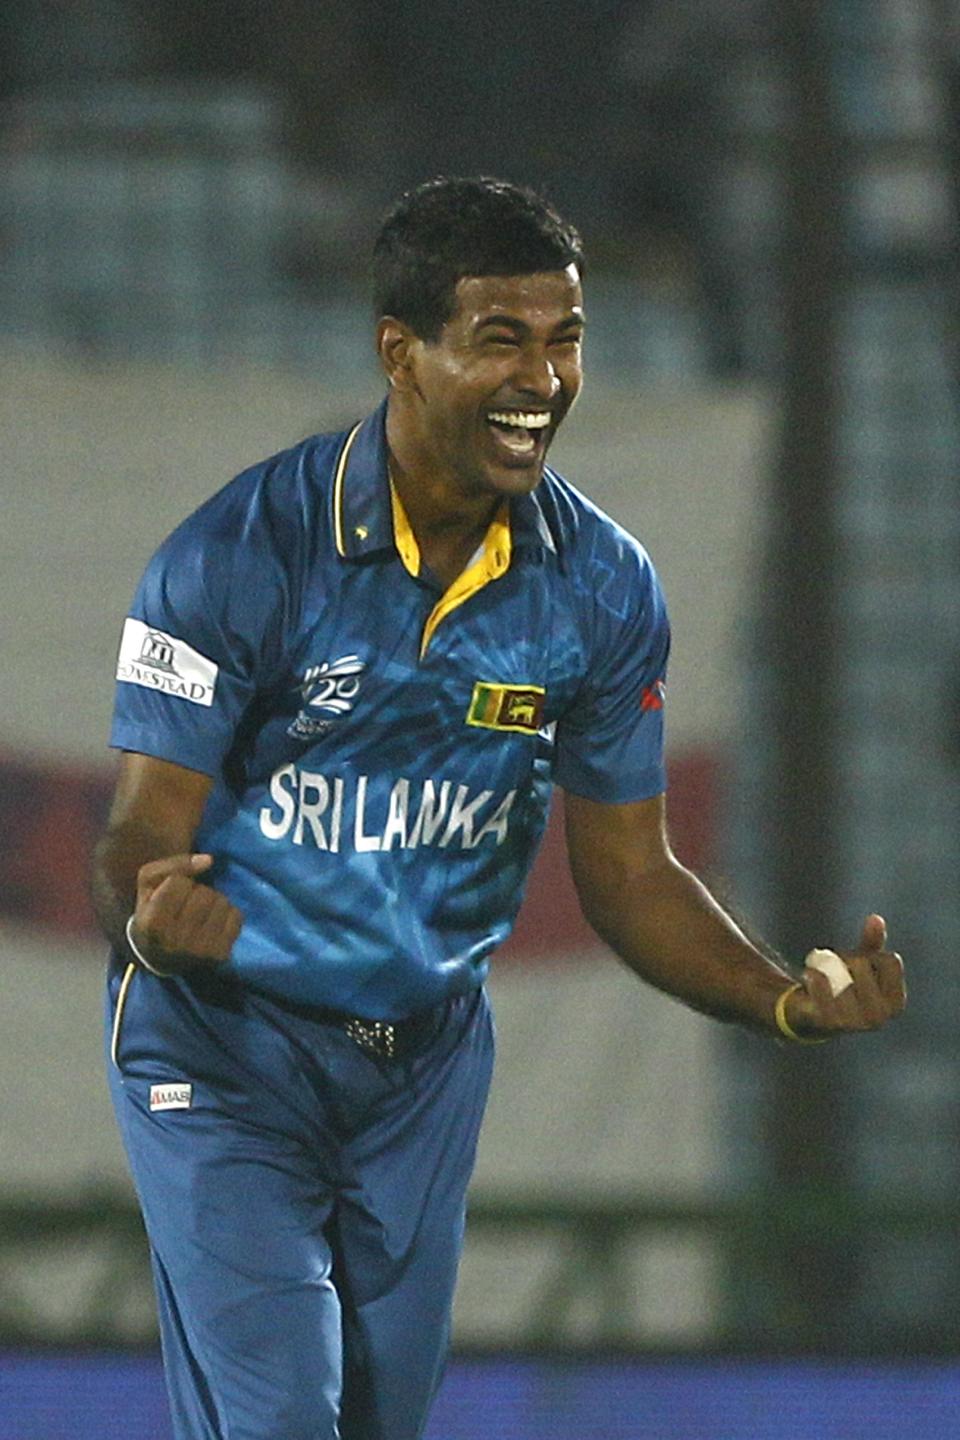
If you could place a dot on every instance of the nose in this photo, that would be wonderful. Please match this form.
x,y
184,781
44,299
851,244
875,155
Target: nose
x,y
536,375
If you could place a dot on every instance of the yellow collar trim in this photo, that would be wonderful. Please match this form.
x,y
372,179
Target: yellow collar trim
x,y
404,538
492,561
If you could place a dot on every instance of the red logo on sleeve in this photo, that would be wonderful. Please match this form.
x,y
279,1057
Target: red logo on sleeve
x,y
651,696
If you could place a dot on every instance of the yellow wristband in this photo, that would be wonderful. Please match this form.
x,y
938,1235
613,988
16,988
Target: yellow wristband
x,y
783,1024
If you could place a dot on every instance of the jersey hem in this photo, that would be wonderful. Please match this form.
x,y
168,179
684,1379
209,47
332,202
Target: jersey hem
x,y
646,787
126,735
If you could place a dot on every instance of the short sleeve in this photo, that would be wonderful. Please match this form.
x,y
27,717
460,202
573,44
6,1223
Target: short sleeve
x,y
199,638
610,740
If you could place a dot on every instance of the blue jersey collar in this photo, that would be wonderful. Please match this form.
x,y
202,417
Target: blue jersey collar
x,y
362,515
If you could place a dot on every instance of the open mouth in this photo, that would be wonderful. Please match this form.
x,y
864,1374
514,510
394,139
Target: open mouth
x,y
520,434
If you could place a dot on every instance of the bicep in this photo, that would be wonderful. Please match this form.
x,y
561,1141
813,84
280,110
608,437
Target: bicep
x,y
159,801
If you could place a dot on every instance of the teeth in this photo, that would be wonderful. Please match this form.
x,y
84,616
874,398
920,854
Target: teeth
x,y
524,420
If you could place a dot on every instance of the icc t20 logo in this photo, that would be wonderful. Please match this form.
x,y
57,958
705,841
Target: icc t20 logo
x,y
328,692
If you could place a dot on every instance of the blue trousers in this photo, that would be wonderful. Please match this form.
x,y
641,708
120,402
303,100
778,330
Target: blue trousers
x,y
304,1202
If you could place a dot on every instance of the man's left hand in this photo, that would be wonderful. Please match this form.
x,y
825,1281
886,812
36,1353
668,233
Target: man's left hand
x,y
876,995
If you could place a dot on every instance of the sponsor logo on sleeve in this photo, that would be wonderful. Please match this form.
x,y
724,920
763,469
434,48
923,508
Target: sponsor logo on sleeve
x,y
507,707
174,1095
158,661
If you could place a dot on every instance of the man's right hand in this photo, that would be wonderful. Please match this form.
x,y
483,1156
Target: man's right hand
x,y
178,924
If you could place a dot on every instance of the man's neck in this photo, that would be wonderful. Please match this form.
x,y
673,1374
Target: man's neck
x,y
448,538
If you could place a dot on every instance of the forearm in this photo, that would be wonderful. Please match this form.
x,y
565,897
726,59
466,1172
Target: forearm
x,y
155,813
667,927
116,863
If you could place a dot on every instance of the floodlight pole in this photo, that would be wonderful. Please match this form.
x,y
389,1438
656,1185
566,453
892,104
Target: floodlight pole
x,y
805,1116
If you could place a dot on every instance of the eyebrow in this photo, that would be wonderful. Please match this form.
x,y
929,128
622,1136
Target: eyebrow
x,y
510,322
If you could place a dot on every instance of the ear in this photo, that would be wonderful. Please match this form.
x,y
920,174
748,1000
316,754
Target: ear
x,y
396,343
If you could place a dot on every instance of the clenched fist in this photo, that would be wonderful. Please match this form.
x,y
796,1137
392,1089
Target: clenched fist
x,y
178,924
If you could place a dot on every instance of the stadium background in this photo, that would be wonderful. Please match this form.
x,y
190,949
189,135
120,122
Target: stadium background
x,y
676,1230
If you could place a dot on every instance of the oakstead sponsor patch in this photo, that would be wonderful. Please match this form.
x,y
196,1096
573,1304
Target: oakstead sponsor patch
x,y
507,707
159,661
174,1095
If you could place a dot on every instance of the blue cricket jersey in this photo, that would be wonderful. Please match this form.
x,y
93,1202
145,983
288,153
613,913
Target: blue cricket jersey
x,y
382,752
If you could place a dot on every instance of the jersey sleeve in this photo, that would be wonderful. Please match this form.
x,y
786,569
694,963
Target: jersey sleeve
x,y
609,744
203,626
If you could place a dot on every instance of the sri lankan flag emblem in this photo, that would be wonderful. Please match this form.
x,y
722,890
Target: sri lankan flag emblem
x,y
507,707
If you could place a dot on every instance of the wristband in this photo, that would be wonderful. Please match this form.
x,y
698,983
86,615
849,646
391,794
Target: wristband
x,y
140,958
783,1024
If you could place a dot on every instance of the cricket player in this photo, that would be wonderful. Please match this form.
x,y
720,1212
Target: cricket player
x,y
345,689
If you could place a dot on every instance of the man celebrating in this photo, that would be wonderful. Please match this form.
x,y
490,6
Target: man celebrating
x,y
345,689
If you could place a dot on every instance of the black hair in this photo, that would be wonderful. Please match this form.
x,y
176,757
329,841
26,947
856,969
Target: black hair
x,y
451,227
